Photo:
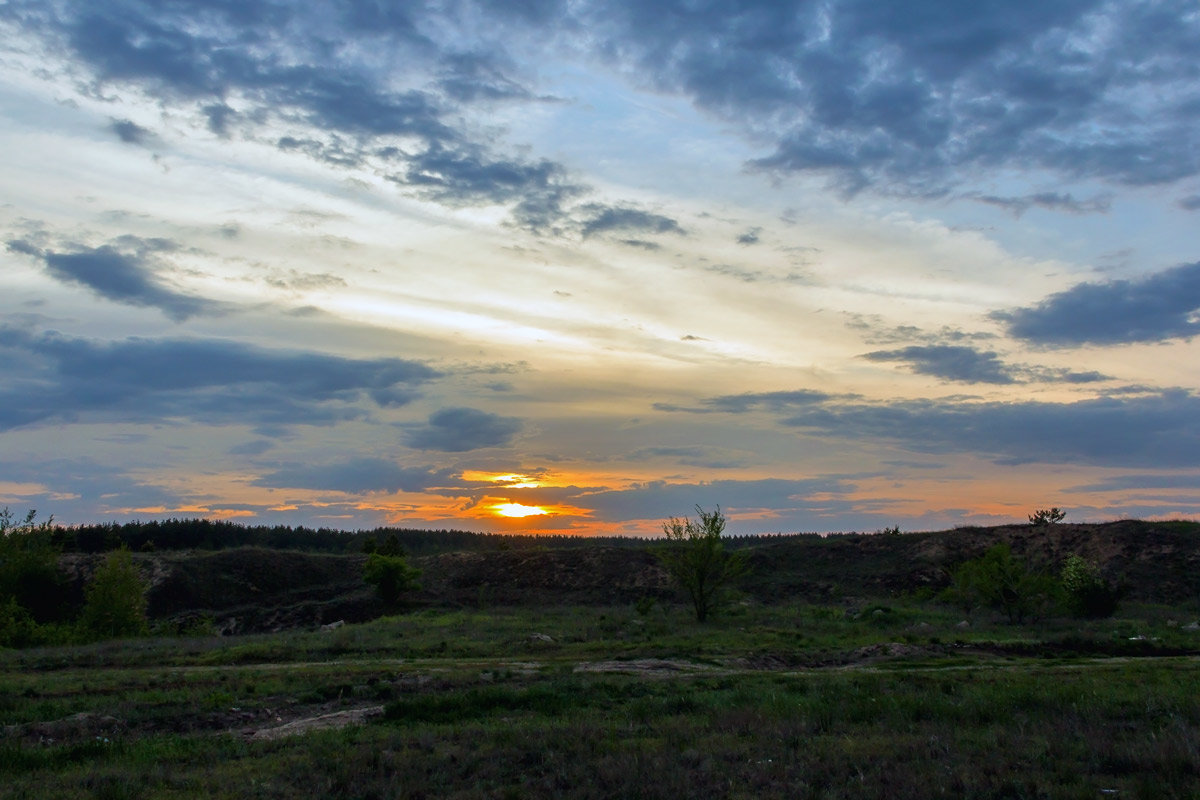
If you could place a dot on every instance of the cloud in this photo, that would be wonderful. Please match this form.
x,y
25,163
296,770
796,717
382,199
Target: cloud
x,y
1152,309
749,237
469,176
455,430
692,456
356,476
402,119
130,132
206,380
900,97
253,448
601,218
951,362
1160,430
1052,201
660,499
1190,203
743,403
123,271
1119,483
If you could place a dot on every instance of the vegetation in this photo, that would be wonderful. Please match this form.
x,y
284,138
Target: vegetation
x,y
1047,516
1085,593
789,700
391,576
696,558
115,603
1000,581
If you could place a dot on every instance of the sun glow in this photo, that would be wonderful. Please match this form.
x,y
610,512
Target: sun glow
x,y
518,510
511,480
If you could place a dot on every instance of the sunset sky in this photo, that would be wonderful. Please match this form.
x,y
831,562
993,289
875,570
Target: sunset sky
x,y
530,265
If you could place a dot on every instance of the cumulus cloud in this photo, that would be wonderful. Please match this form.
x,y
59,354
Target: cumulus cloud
x,y
1052,201
206,380
456,430
900,96
1155,308
750,401
357,476
1156,430
1147,429
124,271
951,362
599,218
130,132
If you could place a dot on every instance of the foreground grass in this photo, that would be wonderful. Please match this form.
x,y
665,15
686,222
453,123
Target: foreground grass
x,y
772,702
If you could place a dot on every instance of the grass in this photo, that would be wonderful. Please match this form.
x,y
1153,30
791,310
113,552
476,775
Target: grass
x,y
812,701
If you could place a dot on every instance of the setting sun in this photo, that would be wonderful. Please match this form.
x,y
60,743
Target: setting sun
x,y
518,510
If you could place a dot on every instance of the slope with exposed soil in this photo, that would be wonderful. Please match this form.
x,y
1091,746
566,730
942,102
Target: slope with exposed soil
x,y
256,589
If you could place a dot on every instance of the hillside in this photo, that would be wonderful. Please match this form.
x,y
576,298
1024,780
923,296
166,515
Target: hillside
x,y
260,589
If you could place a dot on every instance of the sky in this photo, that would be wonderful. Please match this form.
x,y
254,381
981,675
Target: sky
x,y
578,266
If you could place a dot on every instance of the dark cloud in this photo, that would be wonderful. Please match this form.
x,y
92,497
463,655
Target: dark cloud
x,y
342,109
456,430
1160,430
254,448
1190,203
951,362
206,380
600,218
123,271
692,456
966,364
641,244
1152,309
356,476
130,132
900,95
1052,201
468,176
749,237
742,403
471,77
1158,480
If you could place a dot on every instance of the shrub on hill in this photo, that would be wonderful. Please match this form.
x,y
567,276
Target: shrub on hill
x,y
999,581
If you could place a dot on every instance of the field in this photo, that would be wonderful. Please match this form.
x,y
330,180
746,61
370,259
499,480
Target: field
x,y
796,699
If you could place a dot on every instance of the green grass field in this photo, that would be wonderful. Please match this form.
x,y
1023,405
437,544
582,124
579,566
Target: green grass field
x,y
800,701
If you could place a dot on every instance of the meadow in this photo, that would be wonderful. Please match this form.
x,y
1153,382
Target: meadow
x,y
848,699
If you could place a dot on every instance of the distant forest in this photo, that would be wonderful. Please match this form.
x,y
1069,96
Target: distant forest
x,y
204,534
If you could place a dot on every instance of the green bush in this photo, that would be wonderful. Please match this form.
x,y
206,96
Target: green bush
x,y
391,576
1085,593
999,581
115,600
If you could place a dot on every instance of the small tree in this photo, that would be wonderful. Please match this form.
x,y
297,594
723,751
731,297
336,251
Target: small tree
x,y
1085,592
1047,516
29,574
391,576
697,561
998,580
115,600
